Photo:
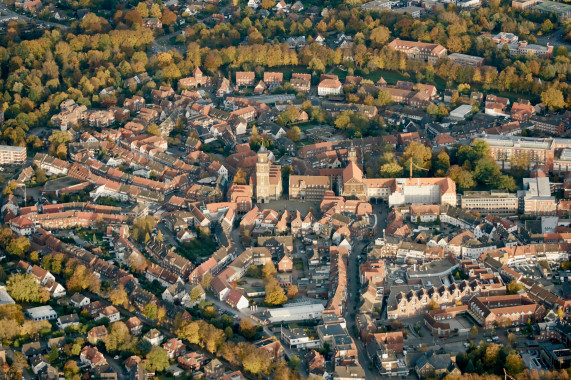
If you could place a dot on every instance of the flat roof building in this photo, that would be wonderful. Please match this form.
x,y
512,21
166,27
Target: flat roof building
x,y
461,112
41,313
466,60
490,202
12,154
563,10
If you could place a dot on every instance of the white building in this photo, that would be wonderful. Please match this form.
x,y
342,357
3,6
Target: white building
x,y
41,313
423,191
295,313
329,87
461,112
5,298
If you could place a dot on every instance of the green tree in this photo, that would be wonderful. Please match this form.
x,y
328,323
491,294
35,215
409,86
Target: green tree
x,y
487,171
25,288
441,163
463,178
294,363
19,246
383,98
157,359
391,170
151,311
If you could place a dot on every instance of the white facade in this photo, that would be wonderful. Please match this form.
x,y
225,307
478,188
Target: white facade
x,y
420,194
296,313
41,313
326,90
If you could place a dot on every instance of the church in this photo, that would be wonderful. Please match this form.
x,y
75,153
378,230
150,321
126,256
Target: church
x,y
267,182
396,191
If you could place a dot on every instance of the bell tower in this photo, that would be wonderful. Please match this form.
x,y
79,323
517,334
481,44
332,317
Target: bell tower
x,y
352,154
262,175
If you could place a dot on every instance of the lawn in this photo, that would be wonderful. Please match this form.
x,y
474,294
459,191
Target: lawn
x,y
298,263
203,247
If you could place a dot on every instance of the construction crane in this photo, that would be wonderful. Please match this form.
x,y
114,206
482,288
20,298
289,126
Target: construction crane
x,y
506,376
411,164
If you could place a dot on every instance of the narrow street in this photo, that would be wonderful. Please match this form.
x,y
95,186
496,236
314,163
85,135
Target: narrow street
x,y
353,289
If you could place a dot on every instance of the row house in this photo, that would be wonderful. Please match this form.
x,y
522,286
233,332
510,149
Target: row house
x,y
406,302
506,310
163,276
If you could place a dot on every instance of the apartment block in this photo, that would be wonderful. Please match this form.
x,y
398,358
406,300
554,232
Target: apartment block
x,y
490,202
536,198
12,154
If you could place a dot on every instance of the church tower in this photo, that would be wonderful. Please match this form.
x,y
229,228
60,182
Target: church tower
x,y
352,154
262,176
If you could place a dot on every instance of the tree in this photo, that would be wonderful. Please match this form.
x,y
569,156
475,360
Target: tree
x,y
70,369
275,294
80,278
383,98
153,129
19,246
269,270
420,155
196,293
157,359
463,178
487,171
380,35
553,98
514,364
155,11
513,287
206,279
143,9
474,331
151,311
168,18
25,288
240,177
511,338
119,338
391,170
294,363
290,115
316,65
248,328
294,133
160,236
492,355
441,163
118,296
292,291
141,227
